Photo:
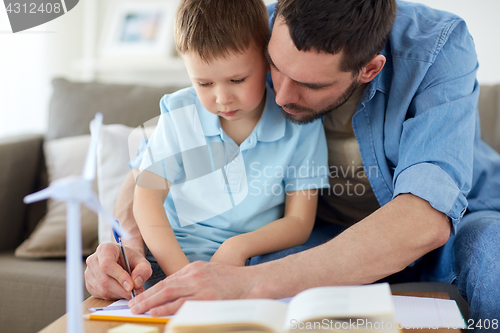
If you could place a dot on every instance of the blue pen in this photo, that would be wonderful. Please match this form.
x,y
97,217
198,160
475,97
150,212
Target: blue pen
x,y
125,259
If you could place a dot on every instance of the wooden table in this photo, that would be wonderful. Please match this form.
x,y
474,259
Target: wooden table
x,y
98,326
92,326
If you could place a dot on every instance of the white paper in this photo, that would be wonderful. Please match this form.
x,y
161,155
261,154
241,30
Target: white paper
x,y
124,312
431,313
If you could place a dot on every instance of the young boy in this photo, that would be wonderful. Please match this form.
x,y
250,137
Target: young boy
x,y
226,176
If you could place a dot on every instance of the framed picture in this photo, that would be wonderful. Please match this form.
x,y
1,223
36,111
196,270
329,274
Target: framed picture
x,y
139,28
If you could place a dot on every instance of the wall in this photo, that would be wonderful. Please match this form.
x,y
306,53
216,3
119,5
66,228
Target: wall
x,y
483,23
28,60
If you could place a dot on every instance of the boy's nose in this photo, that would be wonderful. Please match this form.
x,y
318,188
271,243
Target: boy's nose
x,y
224,97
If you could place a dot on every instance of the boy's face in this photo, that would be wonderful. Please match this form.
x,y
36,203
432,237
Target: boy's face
x,y
231,87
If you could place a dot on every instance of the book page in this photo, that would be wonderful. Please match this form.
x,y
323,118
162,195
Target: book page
x,y
340,302
240,313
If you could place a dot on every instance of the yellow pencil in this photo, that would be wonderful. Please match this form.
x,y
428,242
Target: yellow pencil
x,y
156,320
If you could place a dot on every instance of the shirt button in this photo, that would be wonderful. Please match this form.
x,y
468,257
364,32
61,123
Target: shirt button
x,y
235,160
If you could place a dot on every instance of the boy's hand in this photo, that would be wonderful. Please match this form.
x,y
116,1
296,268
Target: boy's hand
x,y
230,252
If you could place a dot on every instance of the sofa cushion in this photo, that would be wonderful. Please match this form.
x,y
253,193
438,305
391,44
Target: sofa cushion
x,y
74,105
64,157
118,144
33,293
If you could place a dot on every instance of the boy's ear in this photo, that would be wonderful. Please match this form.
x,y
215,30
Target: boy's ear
x,y
372,69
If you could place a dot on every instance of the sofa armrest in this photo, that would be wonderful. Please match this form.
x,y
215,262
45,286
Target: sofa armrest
x,y
20,162
489,115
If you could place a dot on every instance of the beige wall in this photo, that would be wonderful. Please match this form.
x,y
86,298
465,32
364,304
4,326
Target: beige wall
x,y
28,60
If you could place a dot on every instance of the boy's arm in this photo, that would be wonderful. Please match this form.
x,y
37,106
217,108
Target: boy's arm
x,y
291,230
150,194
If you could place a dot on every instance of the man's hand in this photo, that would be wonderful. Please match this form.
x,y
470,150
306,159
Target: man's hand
x,y
105,277
231,253
198,280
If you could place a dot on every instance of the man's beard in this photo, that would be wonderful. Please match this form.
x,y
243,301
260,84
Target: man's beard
x,y
308,115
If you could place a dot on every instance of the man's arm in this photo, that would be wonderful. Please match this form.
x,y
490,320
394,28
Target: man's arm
x,y
382,244
125,214
104,276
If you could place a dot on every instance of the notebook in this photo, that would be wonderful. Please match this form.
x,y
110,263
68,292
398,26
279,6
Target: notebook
x,y
124,314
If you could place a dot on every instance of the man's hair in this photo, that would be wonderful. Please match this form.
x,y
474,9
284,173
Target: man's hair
x,y
216,28
359,28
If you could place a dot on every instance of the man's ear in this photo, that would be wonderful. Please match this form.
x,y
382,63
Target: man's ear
x,y
372,69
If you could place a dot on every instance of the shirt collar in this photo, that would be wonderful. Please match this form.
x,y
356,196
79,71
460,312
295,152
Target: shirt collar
x,y
272,123
209,122
382,81
271,126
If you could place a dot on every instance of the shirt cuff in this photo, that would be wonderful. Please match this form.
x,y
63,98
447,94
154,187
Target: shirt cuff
x,y
304,184
431,183
164,169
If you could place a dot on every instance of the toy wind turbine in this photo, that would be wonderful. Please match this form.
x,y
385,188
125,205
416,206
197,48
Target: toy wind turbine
x,y
76,190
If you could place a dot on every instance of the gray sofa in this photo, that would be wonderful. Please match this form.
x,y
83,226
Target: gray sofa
x,y
33,290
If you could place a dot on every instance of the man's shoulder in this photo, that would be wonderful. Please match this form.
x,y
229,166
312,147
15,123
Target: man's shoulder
x,y
419,32
179,99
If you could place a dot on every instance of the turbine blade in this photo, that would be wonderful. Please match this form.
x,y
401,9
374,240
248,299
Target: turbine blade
x,y
94,204
90,161
38,196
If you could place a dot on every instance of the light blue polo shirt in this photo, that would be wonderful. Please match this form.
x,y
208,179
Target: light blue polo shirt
x,y
219,190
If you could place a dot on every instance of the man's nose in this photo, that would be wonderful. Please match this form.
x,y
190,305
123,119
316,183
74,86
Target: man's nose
x,y
286,92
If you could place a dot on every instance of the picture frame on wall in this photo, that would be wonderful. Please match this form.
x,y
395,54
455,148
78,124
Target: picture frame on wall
x,y
139,28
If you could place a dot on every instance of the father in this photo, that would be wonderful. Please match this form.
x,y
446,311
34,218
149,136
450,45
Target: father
x,y
415,194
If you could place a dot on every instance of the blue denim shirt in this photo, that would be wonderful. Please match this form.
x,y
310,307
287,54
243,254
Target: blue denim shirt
x,y
417,122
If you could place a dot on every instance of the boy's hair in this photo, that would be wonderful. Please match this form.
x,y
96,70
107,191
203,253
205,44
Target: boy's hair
x,y
216,28
359,28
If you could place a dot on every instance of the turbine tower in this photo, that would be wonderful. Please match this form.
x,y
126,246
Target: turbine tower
x,y
77,190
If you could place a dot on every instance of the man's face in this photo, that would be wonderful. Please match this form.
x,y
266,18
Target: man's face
x,y
308,84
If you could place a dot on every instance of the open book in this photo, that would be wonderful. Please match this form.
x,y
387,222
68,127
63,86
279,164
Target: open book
x,y
331,309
